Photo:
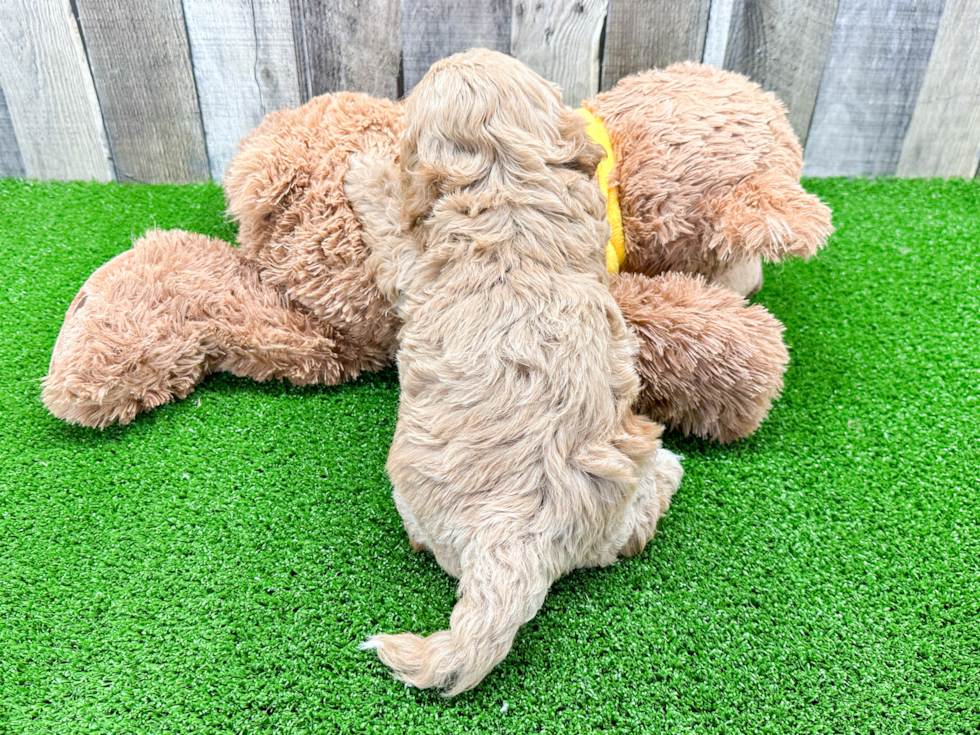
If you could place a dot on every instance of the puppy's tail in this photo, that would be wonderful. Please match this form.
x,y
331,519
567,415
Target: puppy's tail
x,y
501,588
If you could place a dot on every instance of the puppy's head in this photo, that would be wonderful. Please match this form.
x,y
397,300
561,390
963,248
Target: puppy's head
x,y
483,120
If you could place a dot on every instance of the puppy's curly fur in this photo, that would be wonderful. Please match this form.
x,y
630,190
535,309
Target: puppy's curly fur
x,y
516,457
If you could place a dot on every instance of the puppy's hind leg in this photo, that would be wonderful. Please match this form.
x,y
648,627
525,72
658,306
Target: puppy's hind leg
x,y
660,477
416,537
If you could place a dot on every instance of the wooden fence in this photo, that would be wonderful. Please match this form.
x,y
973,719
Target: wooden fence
x,y
161,90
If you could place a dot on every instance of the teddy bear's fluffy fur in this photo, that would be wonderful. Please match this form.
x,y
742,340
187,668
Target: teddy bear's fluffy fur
x,y
285,189
710,180
516,457
708,364
294,301
149,325
708,173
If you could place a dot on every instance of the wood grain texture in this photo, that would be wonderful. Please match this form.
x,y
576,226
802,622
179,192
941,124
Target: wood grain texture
x,y
244,65
719,28
50,99
943,138
139,55
643,34
560,41
11,163
347,45
434,29
876,64
782,45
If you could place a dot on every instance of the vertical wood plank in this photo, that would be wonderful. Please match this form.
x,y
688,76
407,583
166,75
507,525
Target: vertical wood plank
x,y
51,101
348,45
434,29
944,135
140,60
782,45
643,34
245,66
877,60
11,164
719,28
560,41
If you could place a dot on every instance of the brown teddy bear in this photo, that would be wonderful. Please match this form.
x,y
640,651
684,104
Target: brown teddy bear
x,y
705,169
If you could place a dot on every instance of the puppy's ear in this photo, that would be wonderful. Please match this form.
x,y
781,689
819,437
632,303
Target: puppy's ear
x,y
577,150
443,150
419,188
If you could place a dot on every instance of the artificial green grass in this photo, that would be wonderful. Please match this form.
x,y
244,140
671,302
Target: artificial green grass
x,y
212,567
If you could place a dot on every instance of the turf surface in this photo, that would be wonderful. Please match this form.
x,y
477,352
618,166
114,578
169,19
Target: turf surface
x,y
212,567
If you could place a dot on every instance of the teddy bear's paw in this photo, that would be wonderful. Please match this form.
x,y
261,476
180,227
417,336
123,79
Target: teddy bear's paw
x,y
107,368
744,277
709,364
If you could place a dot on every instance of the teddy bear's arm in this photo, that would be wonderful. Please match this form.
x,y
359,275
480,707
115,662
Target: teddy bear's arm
x,y
709,363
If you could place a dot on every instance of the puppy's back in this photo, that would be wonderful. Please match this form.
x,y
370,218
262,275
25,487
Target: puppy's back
x,y
517,378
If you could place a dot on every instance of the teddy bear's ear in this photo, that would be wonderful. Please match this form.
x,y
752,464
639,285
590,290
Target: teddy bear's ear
x,y
576,150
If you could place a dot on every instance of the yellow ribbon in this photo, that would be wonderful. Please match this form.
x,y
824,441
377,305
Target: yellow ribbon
x,y
616,247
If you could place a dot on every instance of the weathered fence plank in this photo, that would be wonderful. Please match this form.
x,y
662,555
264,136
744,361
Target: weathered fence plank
x,y
140,60
560,41
643,34
434,29
782,45
52,105
11,164
875,67
719,28
943,138
347,45
162,90
245,66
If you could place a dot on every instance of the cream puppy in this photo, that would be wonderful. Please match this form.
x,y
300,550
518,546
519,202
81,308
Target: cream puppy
x,y
516,457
